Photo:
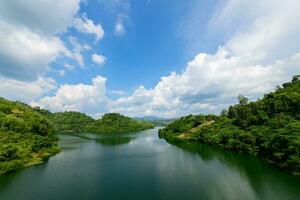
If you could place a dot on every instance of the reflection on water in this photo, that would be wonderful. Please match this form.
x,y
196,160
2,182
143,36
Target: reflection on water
x,y
115,140
70,141
142,166
257,173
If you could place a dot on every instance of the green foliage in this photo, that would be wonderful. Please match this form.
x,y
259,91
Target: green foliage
x,y
25,136
109,123
115,123
268,128
185,123
70,121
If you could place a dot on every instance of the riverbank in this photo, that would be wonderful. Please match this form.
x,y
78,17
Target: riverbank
x,y
19,151
26,137
268,128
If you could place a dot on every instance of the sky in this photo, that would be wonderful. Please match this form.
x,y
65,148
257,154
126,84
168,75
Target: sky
x,y
162,58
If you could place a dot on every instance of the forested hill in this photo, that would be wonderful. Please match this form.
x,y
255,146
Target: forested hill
x,y
79,122
26,138
70,121
268,128
114,122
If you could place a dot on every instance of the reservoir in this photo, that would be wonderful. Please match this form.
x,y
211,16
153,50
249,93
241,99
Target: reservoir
x,y
142,166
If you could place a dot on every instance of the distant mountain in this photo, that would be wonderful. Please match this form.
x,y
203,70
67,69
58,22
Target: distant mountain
x,y
150,118
157,121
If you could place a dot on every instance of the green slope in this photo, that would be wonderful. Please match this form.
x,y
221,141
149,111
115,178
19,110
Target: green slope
x,y
116,123
26,138
70,121
79,122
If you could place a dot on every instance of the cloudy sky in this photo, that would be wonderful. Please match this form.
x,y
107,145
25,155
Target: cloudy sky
x,y
149,57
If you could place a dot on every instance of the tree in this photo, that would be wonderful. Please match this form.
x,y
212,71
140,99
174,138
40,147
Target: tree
x,y
224,112
243,100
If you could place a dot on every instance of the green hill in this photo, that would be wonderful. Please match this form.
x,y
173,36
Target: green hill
x,y
79,122
26,138
115,123
70,121
268,128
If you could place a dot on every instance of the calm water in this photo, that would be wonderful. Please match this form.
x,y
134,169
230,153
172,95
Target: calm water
x,y
142,166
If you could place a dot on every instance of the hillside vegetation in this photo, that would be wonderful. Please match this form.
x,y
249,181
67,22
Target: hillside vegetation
x,y
268,128
115,123
109,123
70,121
156,121
26,138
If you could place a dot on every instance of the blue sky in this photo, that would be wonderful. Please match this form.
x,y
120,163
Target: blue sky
x,y
149,57
152,44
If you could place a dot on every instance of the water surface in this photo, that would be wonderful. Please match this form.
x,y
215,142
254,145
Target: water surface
x,y
142,166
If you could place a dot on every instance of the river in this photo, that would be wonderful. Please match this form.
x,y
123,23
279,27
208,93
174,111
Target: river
x,y
142,166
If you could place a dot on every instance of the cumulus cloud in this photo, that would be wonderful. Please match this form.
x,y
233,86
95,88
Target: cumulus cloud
x,y
208,84
47,16
28,35
90,98
269,29
98,59
24,54
262,52
26,91
85,25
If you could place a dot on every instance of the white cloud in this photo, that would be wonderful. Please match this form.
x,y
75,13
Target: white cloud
x,y
46,17
80,97
30,40
268,28
209,83
85,25
29,35
69,67
117,92
121,9
62,73
24,54
99,59
119,27
25,91
77,49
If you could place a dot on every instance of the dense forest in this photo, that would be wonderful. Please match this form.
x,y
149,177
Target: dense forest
x,y
115,123
70,121
79,122
26,138
268,128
